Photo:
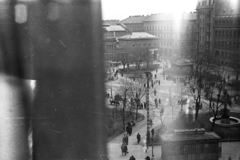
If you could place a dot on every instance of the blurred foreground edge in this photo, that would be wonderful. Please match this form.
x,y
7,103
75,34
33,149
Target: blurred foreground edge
x,y
59,46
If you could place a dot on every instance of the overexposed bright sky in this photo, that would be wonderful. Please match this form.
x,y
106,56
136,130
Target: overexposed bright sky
x,y
121,9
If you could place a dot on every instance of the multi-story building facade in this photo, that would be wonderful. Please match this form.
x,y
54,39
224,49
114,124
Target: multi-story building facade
x,y
205,25
218,23
111,34
178,34
134,23
227,33
137,47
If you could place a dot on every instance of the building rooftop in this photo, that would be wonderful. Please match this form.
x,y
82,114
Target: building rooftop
x,y
171,17
138,35
189,135
134,19
111,22
110,28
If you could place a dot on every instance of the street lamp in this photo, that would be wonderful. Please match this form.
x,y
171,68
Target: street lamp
x,y
149,76
152,142
137,100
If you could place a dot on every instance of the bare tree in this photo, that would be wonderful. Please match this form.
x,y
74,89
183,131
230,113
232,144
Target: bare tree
x,y
216,92
234,61
173,97
138,56
124,92
204,64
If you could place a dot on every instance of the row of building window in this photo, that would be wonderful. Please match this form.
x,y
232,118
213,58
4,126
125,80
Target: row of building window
x,y
227,34
109,47
169,28
188,36
227,45
180,44
228,21
144,45
203,12
157,27
135,28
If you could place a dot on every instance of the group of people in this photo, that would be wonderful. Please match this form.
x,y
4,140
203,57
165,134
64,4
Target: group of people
x,y
133,158
125,148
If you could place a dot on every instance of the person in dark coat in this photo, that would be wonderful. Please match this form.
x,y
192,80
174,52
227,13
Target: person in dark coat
x,y
138,137
152,131
147,158
127,128
130,130
132,158
126,139
145,105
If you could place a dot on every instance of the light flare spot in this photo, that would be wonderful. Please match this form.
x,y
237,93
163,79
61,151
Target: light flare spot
x,y
20,13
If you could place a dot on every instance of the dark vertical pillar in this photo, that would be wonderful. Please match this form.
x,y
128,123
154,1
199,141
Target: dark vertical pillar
x,y
67,61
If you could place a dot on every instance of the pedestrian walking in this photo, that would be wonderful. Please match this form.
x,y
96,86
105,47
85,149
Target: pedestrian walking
x,y
159,82
130,130
125,139
229,158
159,101
147,158
141,106
132,158
155,92
145,148
145,105
138,138
124,149
152,132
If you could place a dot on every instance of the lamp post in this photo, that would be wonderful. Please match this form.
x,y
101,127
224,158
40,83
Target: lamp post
x,y
149,76
137,102
152,142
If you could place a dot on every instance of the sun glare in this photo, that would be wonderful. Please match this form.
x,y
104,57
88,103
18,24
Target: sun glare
x,y
126,8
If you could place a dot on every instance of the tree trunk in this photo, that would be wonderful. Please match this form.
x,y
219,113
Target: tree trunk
x,y
198,102
137,112
139,64
213,123
124,105
116,110
124,65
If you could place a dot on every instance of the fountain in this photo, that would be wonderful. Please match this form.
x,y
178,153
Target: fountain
x,y
224,120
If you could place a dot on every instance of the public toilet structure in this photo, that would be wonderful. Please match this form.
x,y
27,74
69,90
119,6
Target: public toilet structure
x,y
193,144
